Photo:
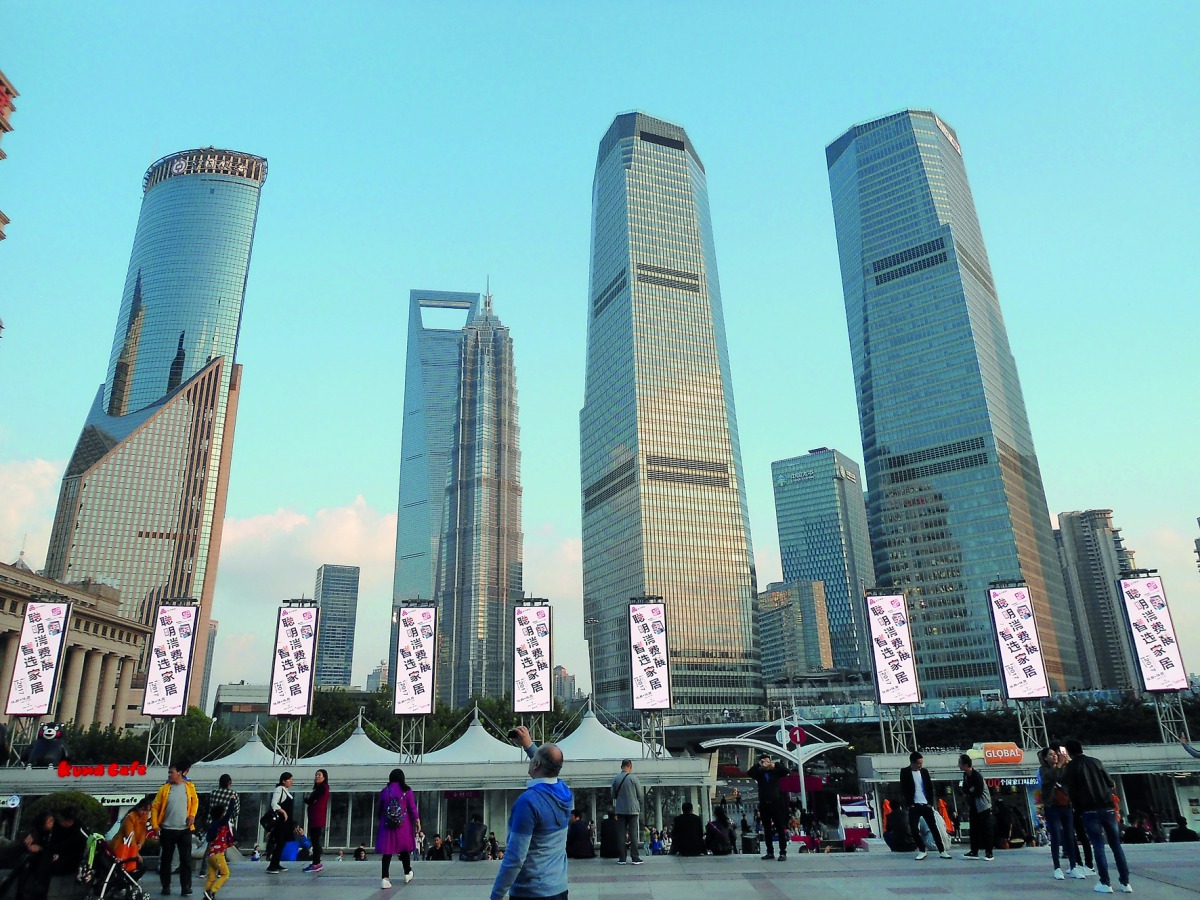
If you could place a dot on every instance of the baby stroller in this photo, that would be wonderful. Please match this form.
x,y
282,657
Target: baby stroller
x,y
106,876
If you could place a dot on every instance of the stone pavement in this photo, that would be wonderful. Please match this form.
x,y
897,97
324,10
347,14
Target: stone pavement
x,y
1158,871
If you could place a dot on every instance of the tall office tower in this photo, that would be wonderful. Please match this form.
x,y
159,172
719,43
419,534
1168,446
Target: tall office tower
x,y
336,594
1093,556
795,630
7,108
209,651
142,502
431,380
478,579
955,494
822,519
564,684
664,503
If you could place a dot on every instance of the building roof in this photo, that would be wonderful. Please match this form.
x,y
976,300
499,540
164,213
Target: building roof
x,y
591,740
476,745
358,749
252,753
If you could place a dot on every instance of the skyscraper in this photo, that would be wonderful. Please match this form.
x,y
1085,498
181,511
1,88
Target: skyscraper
x,y
336,594
210,649
1093,556
822,520
431,382
7,108
664,503
795,630
955,493
479,578
142,502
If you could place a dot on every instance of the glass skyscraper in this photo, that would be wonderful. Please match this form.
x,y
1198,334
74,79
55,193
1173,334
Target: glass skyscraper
x,y
955,494
663,499
142,502
795,630
479,578
821,515
336,594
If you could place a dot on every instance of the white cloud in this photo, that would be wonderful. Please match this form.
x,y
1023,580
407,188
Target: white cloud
x,y
28,495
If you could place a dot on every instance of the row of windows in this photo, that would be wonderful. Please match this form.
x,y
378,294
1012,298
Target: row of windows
x,y
905,459
911,253
921,265
952,465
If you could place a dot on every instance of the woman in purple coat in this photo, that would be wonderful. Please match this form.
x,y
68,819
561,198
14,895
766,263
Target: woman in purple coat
x,y
399,823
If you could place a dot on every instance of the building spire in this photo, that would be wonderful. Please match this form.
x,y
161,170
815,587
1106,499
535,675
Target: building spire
x,y
487,297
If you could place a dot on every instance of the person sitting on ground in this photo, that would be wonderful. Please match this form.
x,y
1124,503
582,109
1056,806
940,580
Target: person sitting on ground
x,y
1182,834
610,836
299,847
687,833
718,834
494,850
440,851
256,854
473,844
579,839
360,853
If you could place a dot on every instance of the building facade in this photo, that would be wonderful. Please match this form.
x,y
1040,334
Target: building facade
x,y
378,677
955,495
7,94
564,684
142,501
478,579
209,654
795,631
336,594
821,515
431,381
1093,556
663,497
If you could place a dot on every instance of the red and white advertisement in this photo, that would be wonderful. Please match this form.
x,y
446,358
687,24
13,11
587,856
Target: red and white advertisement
x,y
650,676
1021,662
1155,643
892,649
170,660
39,658
415,658
295,661
532,634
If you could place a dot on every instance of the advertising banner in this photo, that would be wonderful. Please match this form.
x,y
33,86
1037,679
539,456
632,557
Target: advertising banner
x,y
416,654
295,659
170,660
1155,643
650,677
891,648
39,658
1021,662
532,684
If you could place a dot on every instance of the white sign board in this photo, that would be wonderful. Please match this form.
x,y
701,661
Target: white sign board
x,y
170,660
532,684
892,650
295,659
1155,643
650,676
416,655
1021,662
39,658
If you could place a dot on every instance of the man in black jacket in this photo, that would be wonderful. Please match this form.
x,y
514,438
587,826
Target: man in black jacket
x,y
1091,791
579,839
979,802
772,803
687,833
918,797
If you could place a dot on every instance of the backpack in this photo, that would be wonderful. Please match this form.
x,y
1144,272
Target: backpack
x,y
393,812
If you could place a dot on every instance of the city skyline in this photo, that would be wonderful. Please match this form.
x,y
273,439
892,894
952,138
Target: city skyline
x,y
1086,275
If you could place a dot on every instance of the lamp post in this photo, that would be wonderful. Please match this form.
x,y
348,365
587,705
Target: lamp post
x,y
589,624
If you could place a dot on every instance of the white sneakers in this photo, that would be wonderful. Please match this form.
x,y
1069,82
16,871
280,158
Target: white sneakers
x,y
1077,872
408,877
384,884
921,854
1102,888
1127,889
945,854
1059,876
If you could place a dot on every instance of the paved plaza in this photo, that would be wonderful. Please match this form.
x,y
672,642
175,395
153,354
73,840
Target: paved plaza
x,y
1158,871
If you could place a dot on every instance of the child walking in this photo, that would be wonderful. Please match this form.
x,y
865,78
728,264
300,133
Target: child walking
x,y
220,839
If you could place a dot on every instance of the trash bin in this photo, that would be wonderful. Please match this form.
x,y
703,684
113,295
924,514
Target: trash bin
x,y
749,843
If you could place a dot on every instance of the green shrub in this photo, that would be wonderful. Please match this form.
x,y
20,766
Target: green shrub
x,y
88,810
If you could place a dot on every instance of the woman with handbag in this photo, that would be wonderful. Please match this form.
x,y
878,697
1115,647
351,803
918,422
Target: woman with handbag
x,y
282,805
399,823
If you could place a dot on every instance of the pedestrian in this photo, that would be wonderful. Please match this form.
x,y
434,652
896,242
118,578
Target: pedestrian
x,y
772,803
226,796
36,867
399,822
127,845
687,833
173,816
979,805
627,795
1182,834
535,855
917,787
1056,809
1091,789
317,802
220,839
283,805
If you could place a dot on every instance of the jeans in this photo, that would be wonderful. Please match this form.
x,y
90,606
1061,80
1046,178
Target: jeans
x,y
1101,825
631,833
919,811
170,840
983,832
316,837
1081,833
774,819
218,873
1060,823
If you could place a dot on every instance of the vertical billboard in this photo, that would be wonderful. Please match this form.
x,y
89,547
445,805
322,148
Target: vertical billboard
x,y
650,677
892,650
1021,663
170,660
39,658
416,654
532,636
295,656
1155,643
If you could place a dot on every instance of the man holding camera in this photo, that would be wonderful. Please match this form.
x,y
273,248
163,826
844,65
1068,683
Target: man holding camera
x,y
535,857
772,803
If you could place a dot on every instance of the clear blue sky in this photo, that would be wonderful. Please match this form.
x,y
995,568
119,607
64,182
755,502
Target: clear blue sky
x,y
432,145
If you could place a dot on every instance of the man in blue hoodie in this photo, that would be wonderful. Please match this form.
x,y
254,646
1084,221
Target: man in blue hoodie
x,y
535,857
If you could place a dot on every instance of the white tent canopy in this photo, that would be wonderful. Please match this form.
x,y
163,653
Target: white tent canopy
x,y
591,740
252,753
476,746
358,749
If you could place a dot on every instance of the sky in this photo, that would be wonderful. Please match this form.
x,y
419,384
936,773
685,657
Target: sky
x,y
437,146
